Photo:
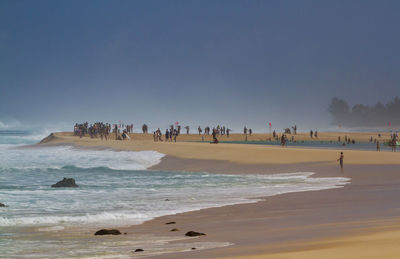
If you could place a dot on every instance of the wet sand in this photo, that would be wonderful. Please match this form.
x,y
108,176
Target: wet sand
x,y
335,223
305,221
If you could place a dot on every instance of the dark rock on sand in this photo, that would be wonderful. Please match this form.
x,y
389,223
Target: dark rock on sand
x,y
174,229
139,250
66,182
169,223
2,205
107,232
194,234
193,248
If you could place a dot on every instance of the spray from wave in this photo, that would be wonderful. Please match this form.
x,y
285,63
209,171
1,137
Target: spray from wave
x,y
14,132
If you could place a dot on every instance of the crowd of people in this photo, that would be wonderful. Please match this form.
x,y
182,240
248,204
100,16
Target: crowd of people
x,y
121,131
170,134
103,130
93,130
218,131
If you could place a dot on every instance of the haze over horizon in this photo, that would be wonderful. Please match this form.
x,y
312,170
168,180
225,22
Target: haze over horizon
x,y
203,63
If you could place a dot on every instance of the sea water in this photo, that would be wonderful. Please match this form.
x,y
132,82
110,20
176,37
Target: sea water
x,y
115,189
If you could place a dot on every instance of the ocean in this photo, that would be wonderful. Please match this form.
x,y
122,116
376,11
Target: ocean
x,y
115,189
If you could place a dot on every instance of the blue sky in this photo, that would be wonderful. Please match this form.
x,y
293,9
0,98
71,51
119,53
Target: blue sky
x,y
196,62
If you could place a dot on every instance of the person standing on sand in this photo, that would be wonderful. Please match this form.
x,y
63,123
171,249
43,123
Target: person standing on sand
x,y
166,135
283,140
341,160
116,131
394,143
378,147
175,133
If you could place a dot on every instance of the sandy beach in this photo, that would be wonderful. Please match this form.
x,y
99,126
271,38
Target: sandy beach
x,y
361,219
260,129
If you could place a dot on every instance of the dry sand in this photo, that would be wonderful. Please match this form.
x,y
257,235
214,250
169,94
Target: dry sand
x,y
236,153
360,220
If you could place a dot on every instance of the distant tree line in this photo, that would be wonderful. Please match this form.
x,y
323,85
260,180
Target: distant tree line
x,y
363,115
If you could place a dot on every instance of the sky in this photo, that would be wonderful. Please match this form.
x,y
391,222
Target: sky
x,y
196,62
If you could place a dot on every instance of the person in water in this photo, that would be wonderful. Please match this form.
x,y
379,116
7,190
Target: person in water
x,y
341,160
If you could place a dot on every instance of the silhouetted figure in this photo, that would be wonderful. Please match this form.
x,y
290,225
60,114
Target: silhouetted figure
x,y
283,140
116,131
341,158
145,129
175,134
166,135
214,135
394,144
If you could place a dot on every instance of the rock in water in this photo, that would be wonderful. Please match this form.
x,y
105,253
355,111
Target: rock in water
x,y
66,182
2,205
102,232
174,229
139,250
169,223
194,234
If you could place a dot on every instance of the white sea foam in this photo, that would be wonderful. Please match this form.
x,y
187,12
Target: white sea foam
x,y
115,189
58,157
112,217
132,198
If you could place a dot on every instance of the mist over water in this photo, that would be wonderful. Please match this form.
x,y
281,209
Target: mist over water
x,y
249,63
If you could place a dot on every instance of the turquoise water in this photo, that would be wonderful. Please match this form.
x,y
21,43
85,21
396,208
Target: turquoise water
x,y
115,189
316,144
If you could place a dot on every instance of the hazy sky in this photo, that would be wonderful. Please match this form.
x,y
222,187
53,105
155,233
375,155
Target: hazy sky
x,y
196,62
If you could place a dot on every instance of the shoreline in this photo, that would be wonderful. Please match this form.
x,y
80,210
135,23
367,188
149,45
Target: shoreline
x,y
236,153
276,213
315,223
